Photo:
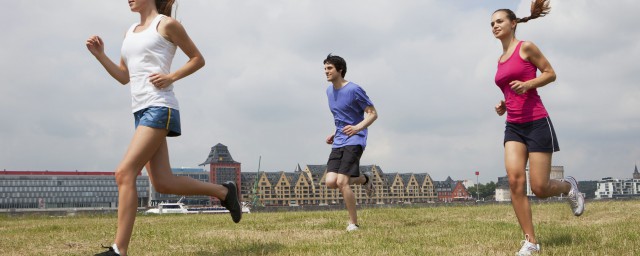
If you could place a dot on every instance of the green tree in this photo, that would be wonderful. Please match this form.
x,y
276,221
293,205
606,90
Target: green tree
x,y
485,190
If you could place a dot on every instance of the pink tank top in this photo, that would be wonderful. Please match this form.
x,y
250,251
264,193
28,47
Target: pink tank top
x,y
520,108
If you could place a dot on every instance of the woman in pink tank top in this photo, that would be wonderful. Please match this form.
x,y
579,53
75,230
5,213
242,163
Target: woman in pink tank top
x,y
146,56
529,134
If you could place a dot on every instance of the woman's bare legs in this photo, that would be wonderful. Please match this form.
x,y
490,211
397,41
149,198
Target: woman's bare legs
x,y
165,182
516,157
515,161
149,147
539,176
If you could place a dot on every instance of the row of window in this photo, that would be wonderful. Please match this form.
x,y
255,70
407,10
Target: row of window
x,y
75,183
201,177
339,201
620,192
63,194
59,200
265,184
53,205
266,190
56,189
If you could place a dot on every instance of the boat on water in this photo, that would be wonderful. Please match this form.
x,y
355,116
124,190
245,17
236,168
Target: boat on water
x,y
175,208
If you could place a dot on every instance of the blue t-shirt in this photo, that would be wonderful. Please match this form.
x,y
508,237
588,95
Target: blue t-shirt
x,y
347,105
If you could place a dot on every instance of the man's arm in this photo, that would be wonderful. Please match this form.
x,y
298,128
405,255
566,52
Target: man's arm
x,y
370,117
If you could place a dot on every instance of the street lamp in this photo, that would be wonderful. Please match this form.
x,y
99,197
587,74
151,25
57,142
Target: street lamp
x,y
478,185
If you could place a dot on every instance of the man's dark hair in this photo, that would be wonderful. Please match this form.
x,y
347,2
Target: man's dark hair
x,y
337,62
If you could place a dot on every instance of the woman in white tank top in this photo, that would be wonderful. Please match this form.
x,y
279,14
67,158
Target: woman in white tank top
x,y
146,56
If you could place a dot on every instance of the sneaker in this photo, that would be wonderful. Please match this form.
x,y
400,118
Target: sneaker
x,y
231,201
352,227
368,187
528,248
109,252
575,198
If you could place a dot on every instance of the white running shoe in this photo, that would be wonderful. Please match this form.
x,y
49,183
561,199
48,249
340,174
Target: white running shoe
x,y
575,198
528,248
368,187
352,227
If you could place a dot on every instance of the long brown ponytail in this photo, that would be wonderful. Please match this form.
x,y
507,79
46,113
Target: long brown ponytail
x,y
164,6
539,8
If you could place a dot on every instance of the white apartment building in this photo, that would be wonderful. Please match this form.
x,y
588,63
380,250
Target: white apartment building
x,y
612,188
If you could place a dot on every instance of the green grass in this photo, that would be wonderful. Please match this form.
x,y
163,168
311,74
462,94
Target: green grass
x,y
606,228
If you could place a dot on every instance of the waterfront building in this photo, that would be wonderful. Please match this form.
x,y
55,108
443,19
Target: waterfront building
x,y
306,186
619,188
64,189
222,168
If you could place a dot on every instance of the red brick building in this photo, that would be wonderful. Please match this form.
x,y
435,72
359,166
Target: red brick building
x,y
450,190
222,167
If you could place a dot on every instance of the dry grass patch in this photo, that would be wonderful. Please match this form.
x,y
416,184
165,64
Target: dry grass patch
x,y
606,228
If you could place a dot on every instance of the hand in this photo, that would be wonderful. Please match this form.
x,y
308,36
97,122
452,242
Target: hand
x,y
501,108
350,130
519,87
160,80
329,139
95,45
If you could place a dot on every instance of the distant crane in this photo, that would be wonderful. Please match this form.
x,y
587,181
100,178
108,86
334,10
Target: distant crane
x,y
255,192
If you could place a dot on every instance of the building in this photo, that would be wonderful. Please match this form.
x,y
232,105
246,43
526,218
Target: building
x,y
222,167
306,186
450,190
588,188
64,189
503,192
618,188
303,186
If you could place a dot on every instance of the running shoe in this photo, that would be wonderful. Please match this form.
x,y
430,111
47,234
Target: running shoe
x,y
528,248
231,201
575,198
110,252
368,187
352,227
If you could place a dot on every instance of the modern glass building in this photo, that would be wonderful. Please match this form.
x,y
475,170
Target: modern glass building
x,y
66,189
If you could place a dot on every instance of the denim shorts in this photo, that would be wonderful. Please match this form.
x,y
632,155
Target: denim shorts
x,y
159,118
538,135
345,160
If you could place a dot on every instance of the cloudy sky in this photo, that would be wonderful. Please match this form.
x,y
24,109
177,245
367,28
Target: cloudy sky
x,y
427,65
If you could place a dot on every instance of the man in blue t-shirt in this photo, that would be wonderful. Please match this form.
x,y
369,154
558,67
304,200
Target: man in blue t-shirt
x,y
348,103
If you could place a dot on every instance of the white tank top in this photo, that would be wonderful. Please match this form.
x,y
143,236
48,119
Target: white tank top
x,y
147,52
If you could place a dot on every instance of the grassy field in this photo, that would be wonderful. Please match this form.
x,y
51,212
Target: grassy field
x,y
606,228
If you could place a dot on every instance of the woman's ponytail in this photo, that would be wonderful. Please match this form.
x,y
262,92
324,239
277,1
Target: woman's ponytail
x,y
539,8
164,6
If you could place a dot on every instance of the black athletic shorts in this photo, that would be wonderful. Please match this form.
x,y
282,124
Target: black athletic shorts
x,y
345,160
537,135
